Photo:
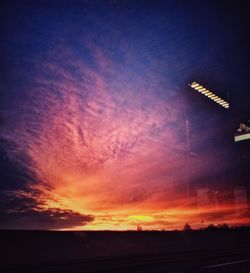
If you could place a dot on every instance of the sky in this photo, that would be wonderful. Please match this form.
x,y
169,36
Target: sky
x,y
95,111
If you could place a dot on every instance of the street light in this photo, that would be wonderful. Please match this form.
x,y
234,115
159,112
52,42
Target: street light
x,y
242,133
201,89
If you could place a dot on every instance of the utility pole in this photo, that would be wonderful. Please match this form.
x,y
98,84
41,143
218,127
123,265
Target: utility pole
x,y
140,111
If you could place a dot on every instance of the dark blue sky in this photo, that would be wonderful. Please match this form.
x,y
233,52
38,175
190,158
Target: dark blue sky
x,y
194,39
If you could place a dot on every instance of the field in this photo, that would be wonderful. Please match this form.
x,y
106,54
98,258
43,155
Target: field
x,y
103,251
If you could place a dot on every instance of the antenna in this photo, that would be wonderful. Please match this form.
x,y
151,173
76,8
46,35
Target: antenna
x,y
140,111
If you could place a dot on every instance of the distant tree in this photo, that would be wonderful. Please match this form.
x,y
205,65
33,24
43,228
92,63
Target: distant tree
x,y
223,226
212,227
187,227
139,228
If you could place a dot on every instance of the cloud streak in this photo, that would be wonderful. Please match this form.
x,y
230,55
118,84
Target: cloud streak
x,y
28,210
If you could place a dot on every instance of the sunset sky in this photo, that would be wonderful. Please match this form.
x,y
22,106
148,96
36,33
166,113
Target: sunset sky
x,y
94,106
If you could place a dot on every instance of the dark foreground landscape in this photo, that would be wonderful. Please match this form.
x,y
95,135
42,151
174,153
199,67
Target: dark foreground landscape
x,y
214,250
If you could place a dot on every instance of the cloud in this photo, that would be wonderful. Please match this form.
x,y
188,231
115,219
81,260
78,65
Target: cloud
x,y
44,219
25,210
75,127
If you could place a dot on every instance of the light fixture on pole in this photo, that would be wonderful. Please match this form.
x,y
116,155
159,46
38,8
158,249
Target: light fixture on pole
x,y
212,96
